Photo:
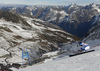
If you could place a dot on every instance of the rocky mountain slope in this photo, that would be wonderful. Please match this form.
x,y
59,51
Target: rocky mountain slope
x,y
74,19
19,32
94,32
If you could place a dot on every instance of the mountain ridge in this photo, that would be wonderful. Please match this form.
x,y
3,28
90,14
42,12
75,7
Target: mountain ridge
x,y
72,18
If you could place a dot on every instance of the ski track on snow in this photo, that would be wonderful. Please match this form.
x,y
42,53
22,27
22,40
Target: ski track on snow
x,y
84,62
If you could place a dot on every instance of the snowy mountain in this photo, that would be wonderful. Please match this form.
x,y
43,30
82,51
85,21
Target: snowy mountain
x,y
19,32
74,19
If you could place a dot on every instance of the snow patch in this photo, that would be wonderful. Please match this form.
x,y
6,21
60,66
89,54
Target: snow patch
x,y
3,52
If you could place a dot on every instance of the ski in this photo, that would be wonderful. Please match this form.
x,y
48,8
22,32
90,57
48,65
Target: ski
x,y
81,53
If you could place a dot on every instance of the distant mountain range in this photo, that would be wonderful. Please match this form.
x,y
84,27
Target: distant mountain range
x,y
74,19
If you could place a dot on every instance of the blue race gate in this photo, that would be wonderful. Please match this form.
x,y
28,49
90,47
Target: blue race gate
x,y
25,55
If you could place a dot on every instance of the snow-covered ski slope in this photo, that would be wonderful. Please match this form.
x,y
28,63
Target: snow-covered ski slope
x,y
85,62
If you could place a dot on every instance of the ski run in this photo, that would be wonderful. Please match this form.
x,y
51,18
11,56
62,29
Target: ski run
x,y
84,62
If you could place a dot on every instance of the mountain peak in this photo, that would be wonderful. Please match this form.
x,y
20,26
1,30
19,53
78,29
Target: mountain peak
x,y
72,5
93,4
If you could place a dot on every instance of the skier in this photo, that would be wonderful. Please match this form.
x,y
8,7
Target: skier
x,y
85,46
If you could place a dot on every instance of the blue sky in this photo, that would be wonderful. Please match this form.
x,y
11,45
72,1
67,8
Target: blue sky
x,y
49,2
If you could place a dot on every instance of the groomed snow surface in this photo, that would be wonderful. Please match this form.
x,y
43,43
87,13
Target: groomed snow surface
x,y
84,62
